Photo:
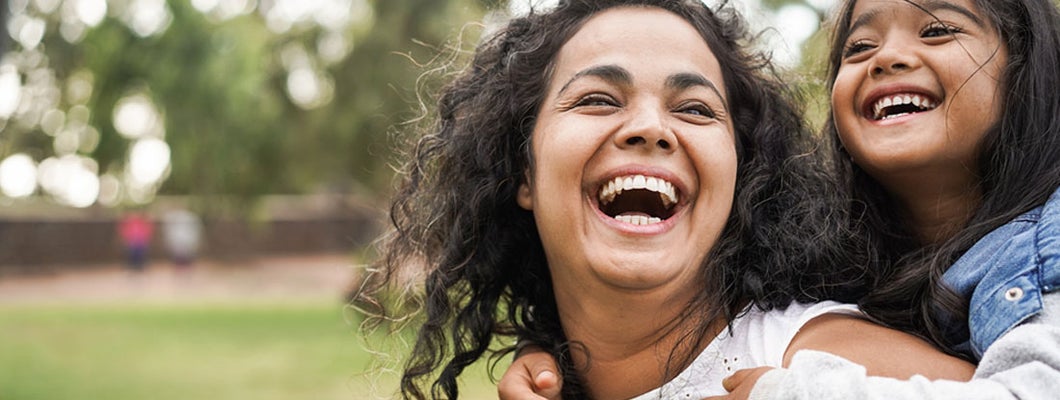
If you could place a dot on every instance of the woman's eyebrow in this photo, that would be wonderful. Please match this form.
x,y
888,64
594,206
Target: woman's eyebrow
x,y
685,80
611,73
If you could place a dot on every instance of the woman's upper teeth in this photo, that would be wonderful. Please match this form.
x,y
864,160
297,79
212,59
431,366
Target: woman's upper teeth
x,y
615,187
638,219
921,102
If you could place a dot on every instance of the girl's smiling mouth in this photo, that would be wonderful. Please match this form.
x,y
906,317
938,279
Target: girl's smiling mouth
x,y
638,199
897,105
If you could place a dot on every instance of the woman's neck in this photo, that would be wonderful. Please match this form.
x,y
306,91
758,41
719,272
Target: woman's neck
x,y
630,340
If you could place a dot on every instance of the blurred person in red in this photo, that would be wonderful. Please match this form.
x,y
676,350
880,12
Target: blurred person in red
x,y
135,230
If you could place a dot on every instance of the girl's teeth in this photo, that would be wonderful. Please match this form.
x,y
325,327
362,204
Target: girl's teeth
x,y
916,100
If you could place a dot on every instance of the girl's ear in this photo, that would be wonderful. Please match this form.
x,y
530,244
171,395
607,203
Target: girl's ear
x,y
525,197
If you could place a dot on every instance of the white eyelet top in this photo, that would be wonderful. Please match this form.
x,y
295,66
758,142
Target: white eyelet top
x,y
757,338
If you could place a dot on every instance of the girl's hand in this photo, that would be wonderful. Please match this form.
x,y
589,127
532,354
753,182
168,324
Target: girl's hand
x,y
532,376
740,383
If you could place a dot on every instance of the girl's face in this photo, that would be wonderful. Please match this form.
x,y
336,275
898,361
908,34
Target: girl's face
x,y
917,89
634,155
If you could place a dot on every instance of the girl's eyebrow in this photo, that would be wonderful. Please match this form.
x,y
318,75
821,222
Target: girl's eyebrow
x,y
864,19
935,5
617,75
928,6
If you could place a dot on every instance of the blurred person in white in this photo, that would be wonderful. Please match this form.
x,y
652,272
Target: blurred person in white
x,y
182,231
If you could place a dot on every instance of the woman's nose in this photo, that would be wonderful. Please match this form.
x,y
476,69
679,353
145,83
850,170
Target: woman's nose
x,y
646,129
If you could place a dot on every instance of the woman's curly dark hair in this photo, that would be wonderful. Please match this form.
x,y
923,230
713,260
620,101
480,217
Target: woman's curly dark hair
x,y
1018,169
485,275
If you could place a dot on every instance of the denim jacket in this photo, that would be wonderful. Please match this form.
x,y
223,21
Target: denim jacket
x,y
1005,274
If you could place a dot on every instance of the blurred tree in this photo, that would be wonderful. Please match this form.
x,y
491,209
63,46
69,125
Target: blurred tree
x,y
285,96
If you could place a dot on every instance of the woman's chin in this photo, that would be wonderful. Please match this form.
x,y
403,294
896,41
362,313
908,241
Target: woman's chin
x,y
643,271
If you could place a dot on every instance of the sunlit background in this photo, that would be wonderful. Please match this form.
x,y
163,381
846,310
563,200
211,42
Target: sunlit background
x,y
110,103
276,123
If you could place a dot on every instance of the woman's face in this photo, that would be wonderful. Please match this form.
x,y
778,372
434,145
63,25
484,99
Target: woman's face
x,y
634,155
914,95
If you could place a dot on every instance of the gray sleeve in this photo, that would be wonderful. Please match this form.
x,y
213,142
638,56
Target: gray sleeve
x,y
1023,364
1026,360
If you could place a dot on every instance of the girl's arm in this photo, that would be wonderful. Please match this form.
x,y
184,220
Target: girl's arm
x,y
882,351
1023,364
886,352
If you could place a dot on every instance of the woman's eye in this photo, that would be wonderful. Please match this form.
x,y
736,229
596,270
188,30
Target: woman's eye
x,y
596,100
697,109
856,47
939,29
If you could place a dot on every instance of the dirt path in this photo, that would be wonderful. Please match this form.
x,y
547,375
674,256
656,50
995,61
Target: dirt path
x,y
267,279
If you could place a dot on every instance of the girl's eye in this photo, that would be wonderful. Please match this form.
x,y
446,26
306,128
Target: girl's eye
x,y
596,100
856,47
939,29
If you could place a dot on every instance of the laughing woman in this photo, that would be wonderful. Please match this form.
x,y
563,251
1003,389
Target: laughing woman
x,y
624,184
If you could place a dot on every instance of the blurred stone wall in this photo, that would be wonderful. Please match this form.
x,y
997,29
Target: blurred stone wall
x,y
287,226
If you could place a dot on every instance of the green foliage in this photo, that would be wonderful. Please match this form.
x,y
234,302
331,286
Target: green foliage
x,y
222,88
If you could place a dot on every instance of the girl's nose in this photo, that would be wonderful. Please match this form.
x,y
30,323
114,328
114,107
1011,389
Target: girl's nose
x,y
893,59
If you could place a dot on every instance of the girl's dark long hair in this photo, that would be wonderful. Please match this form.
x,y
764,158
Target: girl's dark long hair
x,y
457,227
1019,167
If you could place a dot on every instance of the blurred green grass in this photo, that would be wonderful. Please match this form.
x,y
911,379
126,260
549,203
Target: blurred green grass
x,y
197,351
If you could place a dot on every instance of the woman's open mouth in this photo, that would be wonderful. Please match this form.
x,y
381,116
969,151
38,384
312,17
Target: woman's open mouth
x,y
638,199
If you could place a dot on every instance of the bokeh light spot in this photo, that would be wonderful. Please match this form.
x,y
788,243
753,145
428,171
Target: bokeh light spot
x,y
70,179
18,176
148,17
135,116
30,32
10,90
91,12
148,161
309,89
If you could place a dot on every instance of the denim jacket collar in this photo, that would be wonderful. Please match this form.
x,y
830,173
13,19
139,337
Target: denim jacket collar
x,y
1004,276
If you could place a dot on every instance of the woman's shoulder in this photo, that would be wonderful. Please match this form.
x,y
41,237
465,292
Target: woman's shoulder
x,y
765,334
789,318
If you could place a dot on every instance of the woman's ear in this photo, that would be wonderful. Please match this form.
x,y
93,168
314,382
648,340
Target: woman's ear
x,y
525,197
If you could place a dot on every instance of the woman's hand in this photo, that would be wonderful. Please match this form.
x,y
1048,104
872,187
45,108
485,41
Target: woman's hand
x,y
532,376
740,383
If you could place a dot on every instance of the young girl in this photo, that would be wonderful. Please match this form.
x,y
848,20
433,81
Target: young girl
x,y
601,171
950,114
970,174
